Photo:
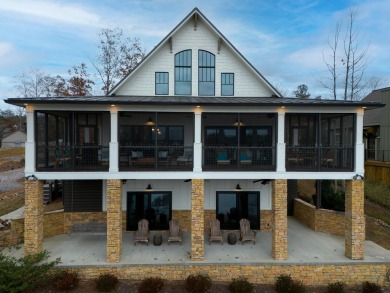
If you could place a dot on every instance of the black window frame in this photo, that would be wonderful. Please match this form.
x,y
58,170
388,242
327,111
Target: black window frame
x,y
180,63
157,81
227,84
206,70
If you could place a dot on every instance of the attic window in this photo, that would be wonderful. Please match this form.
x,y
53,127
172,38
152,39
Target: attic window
x,y
206,73
162,83
183,72
227,84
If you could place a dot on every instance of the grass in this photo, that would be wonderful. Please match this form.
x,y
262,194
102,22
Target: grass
x,y
12,203
378,193
8,152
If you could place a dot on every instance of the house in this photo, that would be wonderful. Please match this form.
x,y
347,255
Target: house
x,y
193,133
376,127
14,139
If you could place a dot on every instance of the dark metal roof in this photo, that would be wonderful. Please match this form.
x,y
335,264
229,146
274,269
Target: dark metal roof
x,y
190,100
373,116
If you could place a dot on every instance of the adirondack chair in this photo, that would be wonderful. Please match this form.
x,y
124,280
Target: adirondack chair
x,y
142,234
246,234
215,231
174,231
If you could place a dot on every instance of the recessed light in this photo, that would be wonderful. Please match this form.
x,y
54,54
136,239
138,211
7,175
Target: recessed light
x,y
112,105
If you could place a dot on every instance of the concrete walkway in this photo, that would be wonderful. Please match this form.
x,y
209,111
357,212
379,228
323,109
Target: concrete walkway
x,y
305,246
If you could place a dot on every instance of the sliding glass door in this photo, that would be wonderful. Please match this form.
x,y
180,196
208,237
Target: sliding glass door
x,y
233,206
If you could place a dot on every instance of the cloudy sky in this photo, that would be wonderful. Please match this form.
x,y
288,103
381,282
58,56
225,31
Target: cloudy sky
x,y
284,39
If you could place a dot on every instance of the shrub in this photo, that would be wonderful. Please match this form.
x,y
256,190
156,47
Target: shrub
x,y
151,285
369,287
106,282
285,284
198,283
25,273
66,281
337,287
241,285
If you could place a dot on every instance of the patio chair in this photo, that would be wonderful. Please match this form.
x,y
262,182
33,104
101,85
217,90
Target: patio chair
x,y
174,231
246,234
142,234
245,158
215,231
222,158
185,159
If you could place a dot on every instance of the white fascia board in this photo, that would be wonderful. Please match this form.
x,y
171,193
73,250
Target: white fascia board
x,y
179,175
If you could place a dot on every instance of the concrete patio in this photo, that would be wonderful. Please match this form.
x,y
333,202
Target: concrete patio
x,y
305,246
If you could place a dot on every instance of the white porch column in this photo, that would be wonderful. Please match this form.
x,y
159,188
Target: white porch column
x,y
198,142
30,143
281,145
359,147
114,154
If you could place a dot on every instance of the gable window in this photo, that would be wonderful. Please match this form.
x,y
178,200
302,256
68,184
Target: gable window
x,y
162,83
183,63
206,73
227,84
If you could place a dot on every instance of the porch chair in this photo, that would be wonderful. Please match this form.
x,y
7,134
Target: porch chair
x,y
222,158
245,158
174,231
246,234
330,158
215,231
185,159
142,234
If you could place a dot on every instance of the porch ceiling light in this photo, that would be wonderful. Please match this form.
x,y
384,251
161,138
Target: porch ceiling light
x,y
150,121
238,188
149,187
237,123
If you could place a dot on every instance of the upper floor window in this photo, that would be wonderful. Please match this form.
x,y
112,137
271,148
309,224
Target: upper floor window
x,y
183,63
206,73
162,83
227,84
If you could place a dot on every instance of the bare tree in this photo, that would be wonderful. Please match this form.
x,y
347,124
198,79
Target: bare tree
x,y
117,57
348,62
302,92
34,83
78,84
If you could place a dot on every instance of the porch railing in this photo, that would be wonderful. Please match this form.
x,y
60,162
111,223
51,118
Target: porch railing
x,y
337,158
377,155
70,158
235,158
161,158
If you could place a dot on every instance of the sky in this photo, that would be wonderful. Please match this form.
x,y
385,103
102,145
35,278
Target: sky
x,y
285,40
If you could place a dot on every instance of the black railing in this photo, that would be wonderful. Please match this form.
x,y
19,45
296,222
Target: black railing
x,y
69,158
325,159
377,155
235,158
162,158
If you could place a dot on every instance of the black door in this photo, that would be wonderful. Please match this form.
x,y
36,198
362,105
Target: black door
x,y
234,206
154,206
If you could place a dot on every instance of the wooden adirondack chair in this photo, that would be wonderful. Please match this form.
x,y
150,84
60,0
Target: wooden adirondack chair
x,y
246,234
215,231
174,231
142,234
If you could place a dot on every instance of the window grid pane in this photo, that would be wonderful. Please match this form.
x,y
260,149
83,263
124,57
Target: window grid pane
x,y
206,73
183,73
162,87
227,84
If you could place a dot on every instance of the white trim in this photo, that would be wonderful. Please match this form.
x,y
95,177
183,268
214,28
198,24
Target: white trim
x,y
30,143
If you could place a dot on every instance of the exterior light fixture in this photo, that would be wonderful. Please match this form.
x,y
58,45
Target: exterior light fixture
x,y
238,187
198,106
112,105
283,107
149,187
124,181
358,176
150,121
31,178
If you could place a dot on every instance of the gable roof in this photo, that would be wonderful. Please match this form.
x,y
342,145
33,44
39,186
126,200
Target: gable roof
x,y
372,117
196,13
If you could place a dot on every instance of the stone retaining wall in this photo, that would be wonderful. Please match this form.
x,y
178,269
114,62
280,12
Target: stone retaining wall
x,y
321,274
321,220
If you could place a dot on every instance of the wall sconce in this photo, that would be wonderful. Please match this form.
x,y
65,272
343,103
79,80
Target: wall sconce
x,y
149,187
238,188
124,181
31,178
150,121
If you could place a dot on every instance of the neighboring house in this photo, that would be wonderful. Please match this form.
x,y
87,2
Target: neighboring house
x,y
377,126
14,140
193,133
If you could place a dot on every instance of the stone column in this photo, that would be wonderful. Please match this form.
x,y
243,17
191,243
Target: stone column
x,y
354,219
279,207
197,219
33,217
114,220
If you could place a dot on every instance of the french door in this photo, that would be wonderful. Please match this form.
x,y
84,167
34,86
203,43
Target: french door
x,y
233,206
156,207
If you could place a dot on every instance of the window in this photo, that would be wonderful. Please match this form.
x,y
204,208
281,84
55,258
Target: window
x,y
227,84
156,207
140,135
183,63
162,83
234,206
206,73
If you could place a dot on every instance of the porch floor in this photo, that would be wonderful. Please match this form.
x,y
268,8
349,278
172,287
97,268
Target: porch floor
x,y
305,246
